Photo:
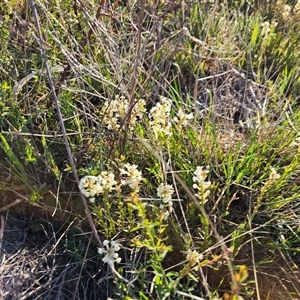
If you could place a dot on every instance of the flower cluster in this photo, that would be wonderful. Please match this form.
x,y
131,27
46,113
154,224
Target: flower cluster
x,y
267,28
160,115
132,177
272,177
110,249
286,11
194,258
165,192
181,118
89,186
296,9
200,184
115,111
92,186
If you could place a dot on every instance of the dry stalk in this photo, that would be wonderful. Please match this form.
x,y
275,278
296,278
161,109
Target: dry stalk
x,y
61,121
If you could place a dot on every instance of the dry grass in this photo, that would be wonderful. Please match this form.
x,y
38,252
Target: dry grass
x,y
145,52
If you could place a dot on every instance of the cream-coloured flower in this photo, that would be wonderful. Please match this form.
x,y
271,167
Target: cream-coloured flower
x,y
297,8
140,107
296,142
286,11
137,112
112,123
166,215
268,29
193,257
115,111
107,181
90,186
160,117
201,184
182,118
110,249
165,191
265,28
133,176
272,177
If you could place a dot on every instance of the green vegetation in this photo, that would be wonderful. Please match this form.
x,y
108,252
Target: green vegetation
x,y
169,128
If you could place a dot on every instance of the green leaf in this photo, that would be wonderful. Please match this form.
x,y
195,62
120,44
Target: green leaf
x,y
255,34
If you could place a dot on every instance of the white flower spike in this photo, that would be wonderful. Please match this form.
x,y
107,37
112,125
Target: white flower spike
x,y
200,184
133,176
165,192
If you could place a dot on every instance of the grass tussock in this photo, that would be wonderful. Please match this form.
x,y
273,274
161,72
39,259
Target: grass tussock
x,y
154,145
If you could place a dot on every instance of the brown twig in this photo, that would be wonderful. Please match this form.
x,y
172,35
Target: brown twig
x,y
2,225
7,206
136,64
62,125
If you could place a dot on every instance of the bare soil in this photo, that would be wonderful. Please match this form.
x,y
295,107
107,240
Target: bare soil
x,y
37,263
